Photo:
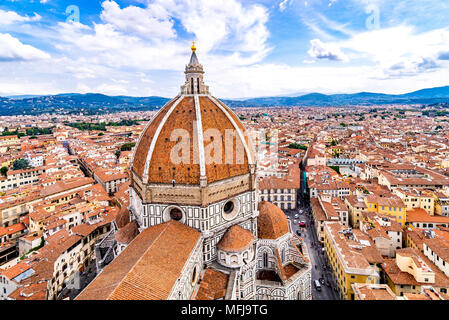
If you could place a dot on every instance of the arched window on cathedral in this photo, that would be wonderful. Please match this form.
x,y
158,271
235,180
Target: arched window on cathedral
x,y
191,85
283,255
265,260
198,85
234,260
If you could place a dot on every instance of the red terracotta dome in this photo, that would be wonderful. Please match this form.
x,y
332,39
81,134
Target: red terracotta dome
x,y
236,239
126,234
271,222
206,120
122,218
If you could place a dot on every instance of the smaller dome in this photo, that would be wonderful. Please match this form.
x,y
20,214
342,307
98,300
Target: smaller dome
x,y
271,222
126,234
236,239
122,218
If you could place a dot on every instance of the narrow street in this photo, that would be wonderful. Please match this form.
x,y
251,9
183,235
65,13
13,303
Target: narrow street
x,y
316,252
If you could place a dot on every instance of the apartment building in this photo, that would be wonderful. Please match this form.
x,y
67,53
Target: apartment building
x,y
353,258
18,178
410,271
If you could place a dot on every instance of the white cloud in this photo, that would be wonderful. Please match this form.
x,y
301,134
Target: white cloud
x,y
283,5
143,51
399,48
11,49
320,50
152,21
223,23
130,40
127,38
11,17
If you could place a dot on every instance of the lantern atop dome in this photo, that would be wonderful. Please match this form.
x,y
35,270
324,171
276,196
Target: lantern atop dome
x,y
194,76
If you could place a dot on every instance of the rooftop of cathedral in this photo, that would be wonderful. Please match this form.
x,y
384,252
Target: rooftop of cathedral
x,y
271,222
149,266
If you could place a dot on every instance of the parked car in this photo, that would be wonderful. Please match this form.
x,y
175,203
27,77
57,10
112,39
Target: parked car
x,y
296,216
298,233
317,285
302,224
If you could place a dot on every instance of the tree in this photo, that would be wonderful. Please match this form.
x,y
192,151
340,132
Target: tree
x,y
335,168
19,164
343,124
3,171
297,146
127,146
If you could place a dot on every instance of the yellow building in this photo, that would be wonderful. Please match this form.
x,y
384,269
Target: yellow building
x,y
6,162
411,270
441,204
445,163
413,198
352,256
356,206
6,141
392,206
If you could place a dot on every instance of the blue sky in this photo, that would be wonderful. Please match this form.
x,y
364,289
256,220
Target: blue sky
x,y
248,48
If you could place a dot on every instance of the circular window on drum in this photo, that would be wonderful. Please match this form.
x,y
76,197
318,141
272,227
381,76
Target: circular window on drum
x,y
231,209
175,214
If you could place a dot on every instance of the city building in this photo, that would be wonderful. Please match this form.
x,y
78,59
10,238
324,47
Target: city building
x,y
353,257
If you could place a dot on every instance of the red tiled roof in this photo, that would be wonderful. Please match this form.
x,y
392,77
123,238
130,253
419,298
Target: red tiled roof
x,y
236,239
271,222
149,266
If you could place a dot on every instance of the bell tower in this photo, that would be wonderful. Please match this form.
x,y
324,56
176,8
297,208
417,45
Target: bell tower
x,y
194,76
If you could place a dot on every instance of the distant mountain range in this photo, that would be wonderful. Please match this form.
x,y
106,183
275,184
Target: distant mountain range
x,y
425,96
70,103
93,103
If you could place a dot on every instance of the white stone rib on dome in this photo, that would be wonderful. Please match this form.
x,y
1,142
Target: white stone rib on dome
x,y
198,131
156,137
239,132
200,137
148,124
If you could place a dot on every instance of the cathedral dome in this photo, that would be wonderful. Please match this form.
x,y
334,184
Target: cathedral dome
x,y
271,222
236,239
127,233
122,218
188,141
